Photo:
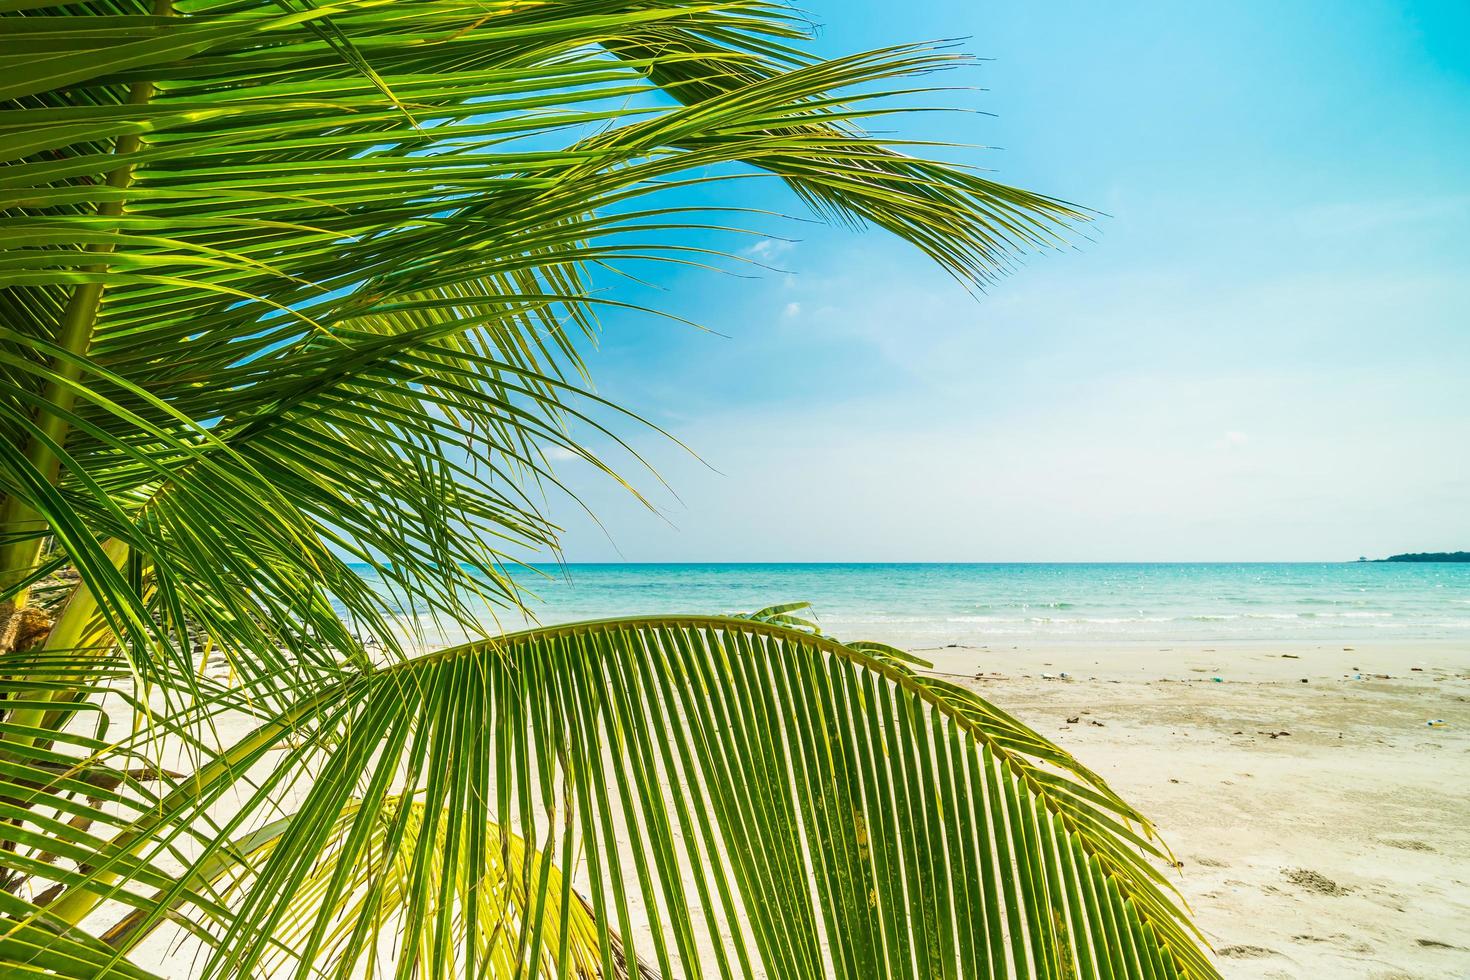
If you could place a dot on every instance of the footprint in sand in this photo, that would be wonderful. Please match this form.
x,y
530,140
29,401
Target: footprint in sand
x,y
1436,944
1314,881
1245,952
1339,940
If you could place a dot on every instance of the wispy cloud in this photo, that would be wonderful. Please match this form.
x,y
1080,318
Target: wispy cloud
x,y
769,249
1272,373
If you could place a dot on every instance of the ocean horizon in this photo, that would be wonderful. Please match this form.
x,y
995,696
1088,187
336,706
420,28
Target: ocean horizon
x,y
935,604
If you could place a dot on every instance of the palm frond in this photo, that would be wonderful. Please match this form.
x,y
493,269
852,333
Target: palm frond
x,y
341,253
732,796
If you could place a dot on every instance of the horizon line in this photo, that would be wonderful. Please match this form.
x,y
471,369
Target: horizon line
x,y
822,561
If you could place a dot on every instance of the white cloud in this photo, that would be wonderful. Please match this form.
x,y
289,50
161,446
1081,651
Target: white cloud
x,y
768,249
791,311
1234,438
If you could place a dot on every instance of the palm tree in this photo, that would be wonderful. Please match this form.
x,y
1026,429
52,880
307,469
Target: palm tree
x,y
292,288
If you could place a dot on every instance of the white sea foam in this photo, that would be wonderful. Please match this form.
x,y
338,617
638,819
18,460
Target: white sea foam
x,y
971,603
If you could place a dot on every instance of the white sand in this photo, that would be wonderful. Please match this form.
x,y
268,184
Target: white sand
x,y
1339,850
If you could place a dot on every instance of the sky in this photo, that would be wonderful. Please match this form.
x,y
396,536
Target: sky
x,y
1261,352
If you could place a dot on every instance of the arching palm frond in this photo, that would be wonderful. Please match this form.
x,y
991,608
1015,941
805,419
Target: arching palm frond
x,y
737,798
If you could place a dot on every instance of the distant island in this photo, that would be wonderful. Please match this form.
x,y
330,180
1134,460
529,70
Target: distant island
x,y
1429,556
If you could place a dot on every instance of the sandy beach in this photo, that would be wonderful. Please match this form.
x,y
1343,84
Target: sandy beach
x,y
1340,847
1322,827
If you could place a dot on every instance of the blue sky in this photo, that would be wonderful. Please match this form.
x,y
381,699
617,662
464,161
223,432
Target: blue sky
x,y
1262,352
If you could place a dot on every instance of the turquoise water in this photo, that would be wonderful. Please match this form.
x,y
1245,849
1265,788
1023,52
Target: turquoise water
x,y
936,604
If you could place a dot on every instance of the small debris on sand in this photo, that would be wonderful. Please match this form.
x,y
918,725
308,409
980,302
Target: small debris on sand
x,y
1245,952
1314,881
1375,851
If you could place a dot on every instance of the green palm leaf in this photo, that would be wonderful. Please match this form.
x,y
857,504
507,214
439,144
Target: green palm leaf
x,y
319,264
826,811
288,287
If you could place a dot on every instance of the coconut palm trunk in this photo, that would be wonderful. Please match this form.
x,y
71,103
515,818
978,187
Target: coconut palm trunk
x,y
290,290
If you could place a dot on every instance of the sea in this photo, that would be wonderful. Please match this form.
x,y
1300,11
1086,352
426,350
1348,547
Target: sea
x,y
935,605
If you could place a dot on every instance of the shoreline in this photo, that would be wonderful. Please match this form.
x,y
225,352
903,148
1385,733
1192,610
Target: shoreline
x,y
1231,660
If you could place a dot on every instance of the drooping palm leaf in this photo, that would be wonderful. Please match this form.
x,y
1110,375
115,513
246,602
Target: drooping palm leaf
x,y
288,285
309,250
